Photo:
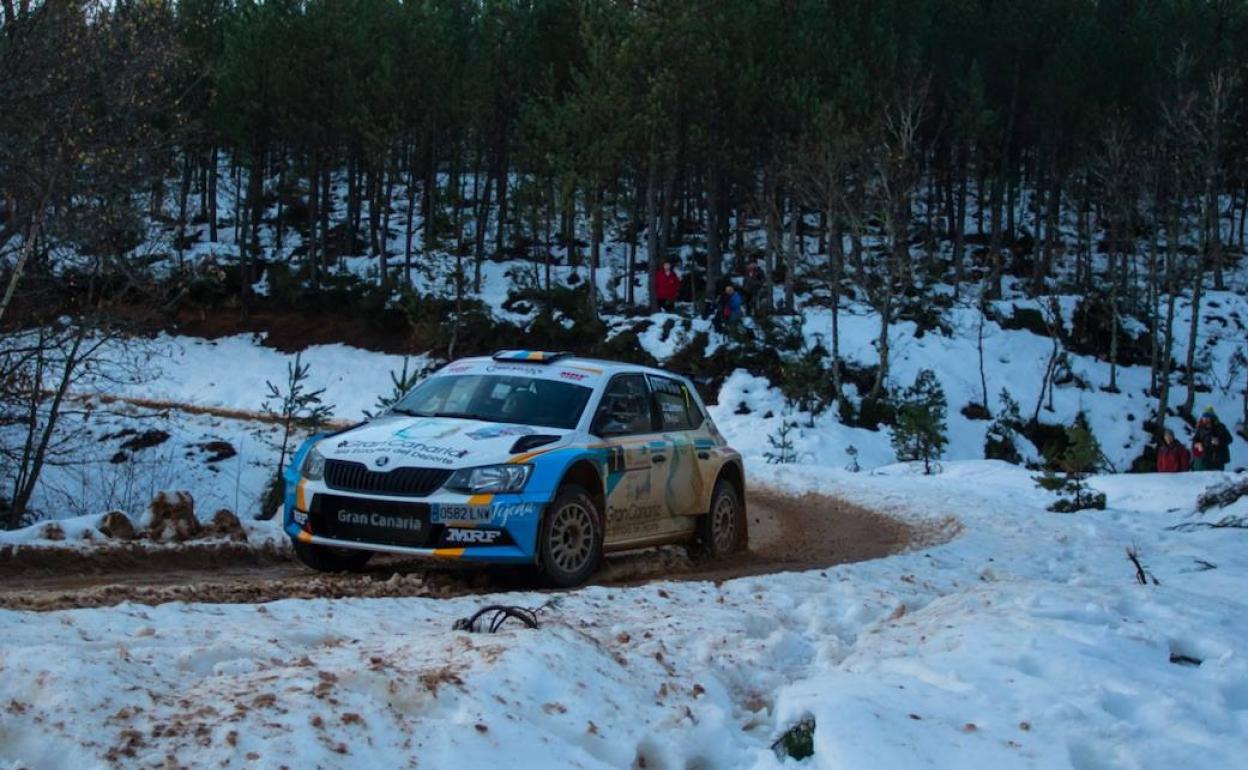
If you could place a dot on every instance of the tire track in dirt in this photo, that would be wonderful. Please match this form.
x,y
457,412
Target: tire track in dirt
x,y
786,534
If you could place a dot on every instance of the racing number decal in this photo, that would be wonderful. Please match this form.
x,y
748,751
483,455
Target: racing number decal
x,y
633,509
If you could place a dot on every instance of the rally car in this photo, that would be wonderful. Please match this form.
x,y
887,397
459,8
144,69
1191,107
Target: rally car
x,y
523,457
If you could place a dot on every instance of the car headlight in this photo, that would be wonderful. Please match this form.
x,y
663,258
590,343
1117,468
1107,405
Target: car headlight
x,y
490,478
313,465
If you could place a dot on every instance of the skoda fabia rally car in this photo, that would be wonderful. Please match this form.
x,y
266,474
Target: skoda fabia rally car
x,y
524,457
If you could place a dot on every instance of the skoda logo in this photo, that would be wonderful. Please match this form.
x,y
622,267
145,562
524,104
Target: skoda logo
x,y
382,461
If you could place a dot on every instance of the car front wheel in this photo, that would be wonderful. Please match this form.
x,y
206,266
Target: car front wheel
x,y
570,544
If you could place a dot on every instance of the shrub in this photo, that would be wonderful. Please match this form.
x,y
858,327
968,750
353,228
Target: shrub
x,y
782,451
919,433
999,442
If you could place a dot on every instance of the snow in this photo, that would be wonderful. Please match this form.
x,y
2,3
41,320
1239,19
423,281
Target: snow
x,y
231,372
1022,642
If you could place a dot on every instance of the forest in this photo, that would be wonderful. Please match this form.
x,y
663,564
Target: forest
x,y
900,153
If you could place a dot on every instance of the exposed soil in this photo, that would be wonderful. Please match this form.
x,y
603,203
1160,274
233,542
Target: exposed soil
x,y
786,533
293,330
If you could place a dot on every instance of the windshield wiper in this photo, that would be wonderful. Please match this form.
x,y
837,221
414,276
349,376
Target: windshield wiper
x,y
410,413
459,416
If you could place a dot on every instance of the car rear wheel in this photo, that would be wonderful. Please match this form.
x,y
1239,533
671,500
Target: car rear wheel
x,y
570,543
327,559
722,530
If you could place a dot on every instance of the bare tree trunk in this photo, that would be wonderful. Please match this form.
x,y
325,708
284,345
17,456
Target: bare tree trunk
x,y
483,221
29,241
652,229
714,254
790,254
408,220
23,493
212,195
1189,403
595,248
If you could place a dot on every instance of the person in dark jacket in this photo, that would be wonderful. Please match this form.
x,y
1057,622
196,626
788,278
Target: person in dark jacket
x,y
1172,456
752,286
729,309
1211,444
667,287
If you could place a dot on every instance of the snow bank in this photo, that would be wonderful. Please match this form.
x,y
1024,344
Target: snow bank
x,y
1024,642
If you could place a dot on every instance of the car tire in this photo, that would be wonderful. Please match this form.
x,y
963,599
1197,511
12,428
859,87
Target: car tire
x,y
722,530
328,559
569,546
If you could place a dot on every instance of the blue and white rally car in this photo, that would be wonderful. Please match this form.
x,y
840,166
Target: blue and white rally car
x,y
524,457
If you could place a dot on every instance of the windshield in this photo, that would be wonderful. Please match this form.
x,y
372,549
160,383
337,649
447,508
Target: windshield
x,y
498,398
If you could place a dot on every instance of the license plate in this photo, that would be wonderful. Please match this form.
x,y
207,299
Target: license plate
x,y
468,513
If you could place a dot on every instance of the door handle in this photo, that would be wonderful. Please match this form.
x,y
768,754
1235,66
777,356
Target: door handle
x,y
704,455
658,459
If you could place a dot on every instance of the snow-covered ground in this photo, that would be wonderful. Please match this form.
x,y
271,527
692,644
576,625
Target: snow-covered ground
x,y
228,375
1023,642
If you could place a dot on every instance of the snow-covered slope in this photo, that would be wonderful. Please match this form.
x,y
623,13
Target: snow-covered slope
x,y
1023,642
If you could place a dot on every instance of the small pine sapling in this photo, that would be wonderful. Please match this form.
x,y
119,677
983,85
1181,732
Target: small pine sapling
x,y
920,432
1000,442
852,466
1080,457
401,382
293,407
782,451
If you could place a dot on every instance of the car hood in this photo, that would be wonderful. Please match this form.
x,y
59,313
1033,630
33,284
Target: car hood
x,y
430,442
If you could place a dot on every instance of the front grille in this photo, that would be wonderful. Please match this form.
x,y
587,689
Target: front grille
x,y
403,482
384,522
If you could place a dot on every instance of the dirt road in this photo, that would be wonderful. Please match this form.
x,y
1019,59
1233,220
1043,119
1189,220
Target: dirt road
x,y
786,533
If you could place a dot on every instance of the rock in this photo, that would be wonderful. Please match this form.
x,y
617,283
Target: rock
x,y
226,524
51,531
173,517
118,526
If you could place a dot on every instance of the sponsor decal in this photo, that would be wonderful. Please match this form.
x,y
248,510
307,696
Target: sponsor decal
x,y
396,447
497,431
516,369
381,520
457,368
633,519
301,518
427,428
574,376
473,536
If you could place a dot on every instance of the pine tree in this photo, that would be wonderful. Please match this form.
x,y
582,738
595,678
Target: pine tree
x,y
999,442
401,382
919,433
782,451
293,407
1081,456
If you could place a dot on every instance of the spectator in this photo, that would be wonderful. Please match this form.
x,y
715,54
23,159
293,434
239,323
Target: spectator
x,y
1172,456
667,287
753,286
1211,445
729,310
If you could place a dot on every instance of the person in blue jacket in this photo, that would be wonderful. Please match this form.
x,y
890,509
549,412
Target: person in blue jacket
x,y
730,307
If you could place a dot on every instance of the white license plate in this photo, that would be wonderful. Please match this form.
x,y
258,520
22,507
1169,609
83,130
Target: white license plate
x,y
471,513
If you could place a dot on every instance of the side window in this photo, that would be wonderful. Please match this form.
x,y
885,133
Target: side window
x,y
677,408
625,408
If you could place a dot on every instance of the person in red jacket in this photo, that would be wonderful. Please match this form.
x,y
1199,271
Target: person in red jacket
x,y
1172,457
667,286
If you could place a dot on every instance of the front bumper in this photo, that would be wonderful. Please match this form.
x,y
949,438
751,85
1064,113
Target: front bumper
x,y
499,529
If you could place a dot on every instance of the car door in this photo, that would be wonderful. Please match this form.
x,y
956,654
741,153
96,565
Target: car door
x,y
636,456
684,483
